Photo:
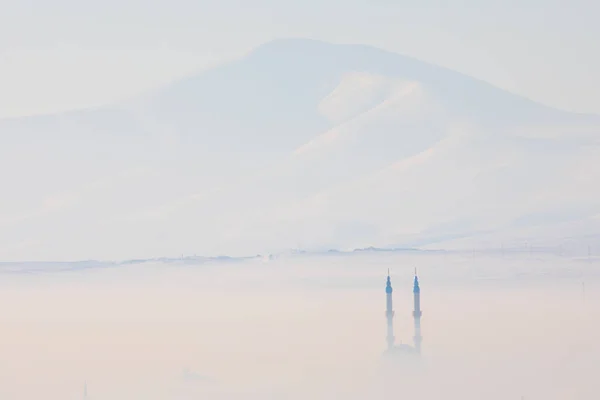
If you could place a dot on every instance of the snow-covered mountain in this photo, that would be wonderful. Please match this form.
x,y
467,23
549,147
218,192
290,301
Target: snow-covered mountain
x,y
298,144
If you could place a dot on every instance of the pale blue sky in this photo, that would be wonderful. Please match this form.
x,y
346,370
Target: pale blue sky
x,y
61,54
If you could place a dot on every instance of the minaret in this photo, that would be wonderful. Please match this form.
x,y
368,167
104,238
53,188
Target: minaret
x,y
85,395
389,312
417,313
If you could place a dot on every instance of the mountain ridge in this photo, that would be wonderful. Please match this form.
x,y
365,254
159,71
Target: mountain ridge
x,y
299,42
298,144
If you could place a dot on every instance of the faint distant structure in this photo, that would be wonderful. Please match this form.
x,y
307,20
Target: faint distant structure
x,y
561,250
392,348
417,313
85,393
389,313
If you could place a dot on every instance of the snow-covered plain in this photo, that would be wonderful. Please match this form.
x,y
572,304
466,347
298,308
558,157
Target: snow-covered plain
x,y
300,327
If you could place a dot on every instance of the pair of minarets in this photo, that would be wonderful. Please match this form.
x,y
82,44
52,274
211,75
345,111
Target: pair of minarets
x,y
416,313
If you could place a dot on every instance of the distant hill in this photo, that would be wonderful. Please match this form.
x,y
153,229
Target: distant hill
x,y
298,144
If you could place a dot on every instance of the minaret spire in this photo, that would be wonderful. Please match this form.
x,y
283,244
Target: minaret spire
x,y
389,313
417,313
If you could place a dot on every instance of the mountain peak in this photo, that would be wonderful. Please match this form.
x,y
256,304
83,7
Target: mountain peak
x,y
397,147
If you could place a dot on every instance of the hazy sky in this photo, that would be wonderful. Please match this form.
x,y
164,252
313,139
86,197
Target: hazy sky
x,y
61,54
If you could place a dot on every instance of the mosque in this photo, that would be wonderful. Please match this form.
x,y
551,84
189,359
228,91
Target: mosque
x,y
392,347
